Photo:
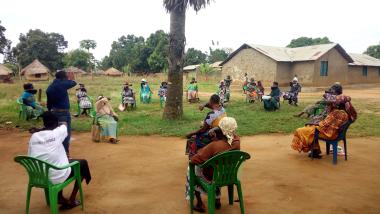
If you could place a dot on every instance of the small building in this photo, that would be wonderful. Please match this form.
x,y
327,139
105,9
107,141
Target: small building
x,y
190,68
217,66
113,72
5,74
74,72
36,71
364,69
317,65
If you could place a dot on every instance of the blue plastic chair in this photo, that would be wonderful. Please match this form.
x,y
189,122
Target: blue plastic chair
x,y
341,137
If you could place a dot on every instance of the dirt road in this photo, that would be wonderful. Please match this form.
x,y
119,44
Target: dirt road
x,y
147,175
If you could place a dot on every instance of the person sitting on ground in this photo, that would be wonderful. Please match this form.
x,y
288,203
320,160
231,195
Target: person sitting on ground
x,y
107,119
84,101
128,97
200,137
33,108
271,102
252,91
163,91
46,145
192,91
340,111
261,90
145,92
224,138
292,95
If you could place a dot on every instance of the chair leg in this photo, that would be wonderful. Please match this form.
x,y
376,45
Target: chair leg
x,y
211,200
191,202
231,194
53,196
28,193
80,192
327,148
240,193
47,196
345,149
335,152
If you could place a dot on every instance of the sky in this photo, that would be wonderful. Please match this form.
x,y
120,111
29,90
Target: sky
x,y
352,23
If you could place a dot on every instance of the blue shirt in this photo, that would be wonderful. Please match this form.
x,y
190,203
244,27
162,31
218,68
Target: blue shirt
x,y
28,99
57,96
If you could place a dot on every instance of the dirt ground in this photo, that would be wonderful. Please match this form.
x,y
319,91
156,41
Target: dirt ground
x,y
147,175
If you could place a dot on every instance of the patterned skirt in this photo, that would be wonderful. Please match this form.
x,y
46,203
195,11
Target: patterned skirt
x,y
85,103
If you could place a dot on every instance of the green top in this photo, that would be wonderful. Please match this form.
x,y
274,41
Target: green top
x,y
192,87
275,92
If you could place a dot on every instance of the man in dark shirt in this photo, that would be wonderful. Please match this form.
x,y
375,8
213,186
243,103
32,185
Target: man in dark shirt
x,y
58,102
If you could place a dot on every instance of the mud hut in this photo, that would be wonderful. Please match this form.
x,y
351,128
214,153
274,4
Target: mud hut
x,y
74,72
35,71
113,72
5,74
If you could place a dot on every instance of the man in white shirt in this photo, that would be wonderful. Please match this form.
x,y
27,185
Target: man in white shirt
x,y
46,144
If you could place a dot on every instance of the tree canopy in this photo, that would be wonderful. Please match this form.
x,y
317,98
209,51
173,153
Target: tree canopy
x,y
194,57
78,58
307,41
5,44
374,51
217,55
87,44
46,47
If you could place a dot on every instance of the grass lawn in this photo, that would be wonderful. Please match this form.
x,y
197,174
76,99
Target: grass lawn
x,y
147,118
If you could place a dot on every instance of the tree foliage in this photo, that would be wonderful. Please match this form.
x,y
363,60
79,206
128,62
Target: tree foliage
x,y
46,47
374,51
307,41
5,44
87,44
194,57
78,58
138,54
217,55
206,68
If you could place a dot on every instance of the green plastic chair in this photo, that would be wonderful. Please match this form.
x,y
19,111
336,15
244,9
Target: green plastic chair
x,y
38,172
225,173
92,110
23,114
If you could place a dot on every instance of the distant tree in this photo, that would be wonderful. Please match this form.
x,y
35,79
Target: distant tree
x,y
78,58
105,63
374,51
158,43
5,44
217,55
87,44
307,41
46,47
194,57
206,68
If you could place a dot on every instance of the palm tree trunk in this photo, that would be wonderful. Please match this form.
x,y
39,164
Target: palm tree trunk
x,y
174,103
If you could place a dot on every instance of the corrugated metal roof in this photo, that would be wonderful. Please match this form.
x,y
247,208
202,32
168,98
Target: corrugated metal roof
x,y
190,67
216,64
364,60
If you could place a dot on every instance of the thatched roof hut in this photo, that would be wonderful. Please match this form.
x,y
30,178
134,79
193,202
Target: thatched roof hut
x,y
35,71
113,72
75,70
5,73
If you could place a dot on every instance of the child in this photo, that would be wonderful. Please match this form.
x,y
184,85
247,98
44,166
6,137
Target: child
x,y
163,92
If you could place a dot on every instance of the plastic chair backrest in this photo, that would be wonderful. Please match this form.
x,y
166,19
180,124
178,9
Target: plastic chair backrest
x,y
38,170
225,166
343,129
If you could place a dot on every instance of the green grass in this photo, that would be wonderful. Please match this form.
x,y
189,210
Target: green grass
x,y
147,118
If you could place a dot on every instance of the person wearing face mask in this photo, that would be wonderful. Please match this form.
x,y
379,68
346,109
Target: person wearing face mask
x,y
271,101
33,108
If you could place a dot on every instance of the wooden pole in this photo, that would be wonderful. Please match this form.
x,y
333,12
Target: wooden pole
x,y
39,95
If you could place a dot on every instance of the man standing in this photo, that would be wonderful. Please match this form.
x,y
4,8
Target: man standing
x,y
58,102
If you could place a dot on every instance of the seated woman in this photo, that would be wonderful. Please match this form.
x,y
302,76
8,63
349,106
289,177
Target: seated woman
x,y
340,111
107,119
252,91
192,91
33,109
84,101
200,138
271,102
127,96
145,92
163,92
260,91
292,95
223,139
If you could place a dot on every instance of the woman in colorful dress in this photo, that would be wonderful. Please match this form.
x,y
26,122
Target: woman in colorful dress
x,y
33,108
84,101
261,90
145,92
127,96
252,91
192,91
340,111
107,119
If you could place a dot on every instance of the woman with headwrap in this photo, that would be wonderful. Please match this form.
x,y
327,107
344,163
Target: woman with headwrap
x,y
127,97
340,111
107,119
224,139
145,92
33,109
271,102
84,101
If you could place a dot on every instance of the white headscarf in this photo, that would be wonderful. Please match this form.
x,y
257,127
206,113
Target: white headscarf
x,y
228,126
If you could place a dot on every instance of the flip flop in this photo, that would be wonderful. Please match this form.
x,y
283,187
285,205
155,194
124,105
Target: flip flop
x,y
70,205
